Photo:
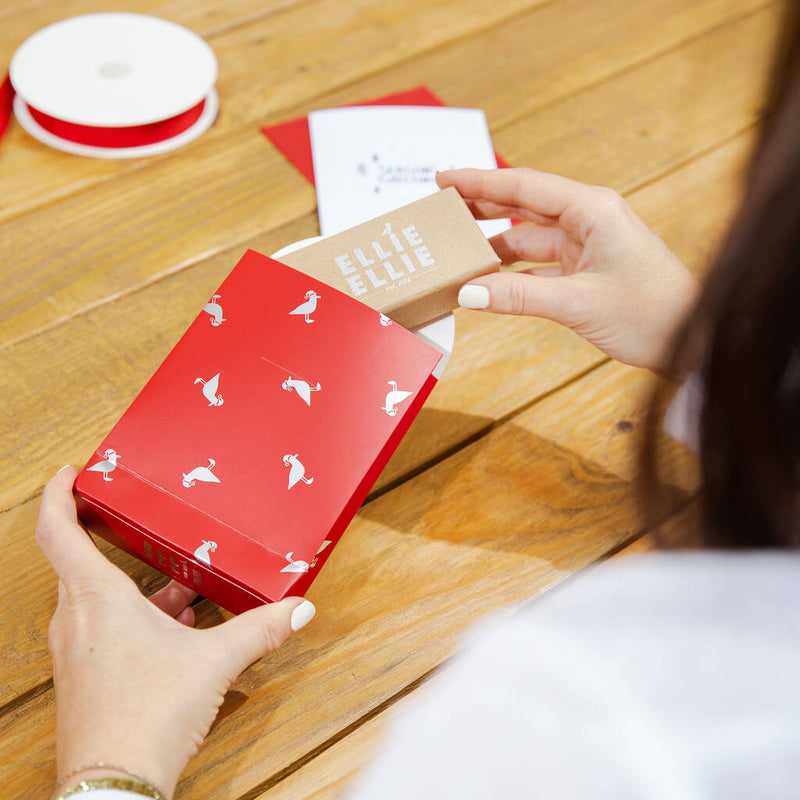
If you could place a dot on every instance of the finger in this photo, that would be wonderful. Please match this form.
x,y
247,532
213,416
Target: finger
x,y
186,617
529,242
540,192
69,549
173,598
521,293
548,271
262,630
486,209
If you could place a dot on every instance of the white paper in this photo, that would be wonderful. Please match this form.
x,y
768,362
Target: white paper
x,y
369,160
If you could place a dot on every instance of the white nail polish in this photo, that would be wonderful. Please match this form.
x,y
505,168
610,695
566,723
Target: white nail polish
x,y
473,296
302,615
63,468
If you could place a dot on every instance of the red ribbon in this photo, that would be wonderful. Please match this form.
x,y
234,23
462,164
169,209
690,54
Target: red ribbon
x,y
6,104
132,136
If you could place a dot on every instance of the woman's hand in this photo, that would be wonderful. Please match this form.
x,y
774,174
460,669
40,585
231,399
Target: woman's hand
x,y
136,686
616,283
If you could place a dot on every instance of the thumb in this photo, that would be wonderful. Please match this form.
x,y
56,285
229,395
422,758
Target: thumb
x,y
263,630
520,293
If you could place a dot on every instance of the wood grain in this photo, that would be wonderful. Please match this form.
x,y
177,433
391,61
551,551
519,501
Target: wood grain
x,y
296,52
493,367
709,188
520,471
490,67
86,375
190,206
418,565
329,774
116,346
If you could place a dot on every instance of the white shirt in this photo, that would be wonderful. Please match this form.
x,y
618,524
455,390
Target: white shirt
x,y
670,676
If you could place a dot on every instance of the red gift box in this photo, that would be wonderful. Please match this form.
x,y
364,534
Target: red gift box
x,y
246,455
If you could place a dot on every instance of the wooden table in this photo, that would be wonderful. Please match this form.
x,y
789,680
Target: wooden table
x,y
518,472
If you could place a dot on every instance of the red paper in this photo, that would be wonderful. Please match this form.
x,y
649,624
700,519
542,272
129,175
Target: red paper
x,y
294,140
241,462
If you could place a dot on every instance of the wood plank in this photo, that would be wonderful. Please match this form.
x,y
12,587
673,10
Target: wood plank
x,y
207,18
679,532
63,259
293,53
21,18
536,60
329,774
501,520
679,105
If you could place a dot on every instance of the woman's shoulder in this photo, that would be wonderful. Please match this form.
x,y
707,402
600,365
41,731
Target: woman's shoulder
x,y
711,582
662,605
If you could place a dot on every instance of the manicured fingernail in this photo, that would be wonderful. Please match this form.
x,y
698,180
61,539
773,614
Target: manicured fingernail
x,y
302,615
473,296
66,466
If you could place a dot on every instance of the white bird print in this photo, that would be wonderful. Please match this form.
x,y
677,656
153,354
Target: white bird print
x,y
385,321
303,566
210,390
295,566
309,307
107,466
303,389
297,471
201,474
215,309
201,554
393,398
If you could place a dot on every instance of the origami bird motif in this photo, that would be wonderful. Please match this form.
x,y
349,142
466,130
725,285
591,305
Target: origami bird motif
x,y
393,398
215,310
201,554
309,307
107,466
201,474
210,390
303,566
303,389
297,472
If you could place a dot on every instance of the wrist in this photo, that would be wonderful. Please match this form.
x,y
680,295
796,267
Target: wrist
x,y
98,776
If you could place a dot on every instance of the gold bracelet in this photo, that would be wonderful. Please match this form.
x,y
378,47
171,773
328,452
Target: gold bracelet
x,y
133,783
122,784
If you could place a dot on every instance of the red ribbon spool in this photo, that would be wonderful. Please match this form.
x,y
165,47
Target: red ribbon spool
x,y
132,136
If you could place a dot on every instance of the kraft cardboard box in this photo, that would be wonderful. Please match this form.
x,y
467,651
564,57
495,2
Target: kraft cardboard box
x,y
408,264
241,462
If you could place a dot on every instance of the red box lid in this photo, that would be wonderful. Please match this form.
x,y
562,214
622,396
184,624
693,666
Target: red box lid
x,y
254,443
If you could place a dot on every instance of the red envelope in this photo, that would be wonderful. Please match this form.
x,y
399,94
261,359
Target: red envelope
x,y
241,462
294,140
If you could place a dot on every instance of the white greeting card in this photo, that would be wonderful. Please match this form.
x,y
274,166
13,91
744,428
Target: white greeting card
x,y
369,160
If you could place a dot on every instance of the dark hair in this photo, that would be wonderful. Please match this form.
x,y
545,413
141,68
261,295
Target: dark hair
x,y
744,338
